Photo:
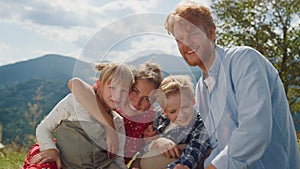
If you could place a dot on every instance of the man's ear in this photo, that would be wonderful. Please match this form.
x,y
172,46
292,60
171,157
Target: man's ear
x,y
212,33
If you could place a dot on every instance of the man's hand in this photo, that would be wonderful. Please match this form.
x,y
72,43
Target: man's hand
x,y
50,155
112,142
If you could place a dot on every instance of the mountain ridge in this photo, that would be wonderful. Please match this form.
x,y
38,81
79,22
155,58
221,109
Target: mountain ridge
x,y
42,82
50,66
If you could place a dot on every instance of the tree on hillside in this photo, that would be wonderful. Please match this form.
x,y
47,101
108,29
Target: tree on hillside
x,y
273,28
34,112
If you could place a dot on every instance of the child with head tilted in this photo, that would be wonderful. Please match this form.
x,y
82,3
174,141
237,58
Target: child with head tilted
x,y
80,139
137,112
177,125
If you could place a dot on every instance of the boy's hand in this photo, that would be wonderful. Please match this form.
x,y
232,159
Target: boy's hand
x,y
180,166
149,134
167,147
149,131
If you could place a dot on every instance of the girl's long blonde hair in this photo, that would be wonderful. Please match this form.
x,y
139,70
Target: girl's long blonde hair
x,y
116,72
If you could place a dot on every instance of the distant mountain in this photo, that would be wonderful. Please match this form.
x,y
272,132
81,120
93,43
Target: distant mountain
x,y
52,66
30,89
170,65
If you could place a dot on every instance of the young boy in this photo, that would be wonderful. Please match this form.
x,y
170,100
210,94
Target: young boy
x,y
178,124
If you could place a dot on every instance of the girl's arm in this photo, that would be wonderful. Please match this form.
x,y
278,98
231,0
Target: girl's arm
x,y
44,132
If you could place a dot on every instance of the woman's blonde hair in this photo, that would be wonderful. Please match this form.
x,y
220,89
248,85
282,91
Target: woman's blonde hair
x,y
118,73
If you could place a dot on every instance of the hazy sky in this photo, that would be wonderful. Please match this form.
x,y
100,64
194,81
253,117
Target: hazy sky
x,y
32,28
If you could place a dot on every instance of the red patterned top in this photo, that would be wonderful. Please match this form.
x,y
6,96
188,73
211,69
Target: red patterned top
x,y
35,149
134,129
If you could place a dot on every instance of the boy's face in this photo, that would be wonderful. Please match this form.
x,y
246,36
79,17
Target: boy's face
x,y
179,109
114,94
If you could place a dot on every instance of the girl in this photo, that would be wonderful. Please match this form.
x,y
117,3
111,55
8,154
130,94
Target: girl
x,y
80,139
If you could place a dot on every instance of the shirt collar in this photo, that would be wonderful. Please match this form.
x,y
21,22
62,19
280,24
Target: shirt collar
x,y
213,72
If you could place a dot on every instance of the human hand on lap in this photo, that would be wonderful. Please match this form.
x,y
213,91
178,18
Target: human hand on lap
x,y
180,166
167,147
49,155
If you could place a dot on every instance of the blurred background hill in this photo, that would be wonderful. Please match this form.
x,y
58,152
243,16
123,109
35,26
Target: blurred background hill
x,y
30,89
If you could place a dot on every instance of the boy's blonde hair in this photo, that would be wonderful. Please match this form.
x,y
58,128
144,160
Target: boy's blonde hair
x,y
175,84
118,73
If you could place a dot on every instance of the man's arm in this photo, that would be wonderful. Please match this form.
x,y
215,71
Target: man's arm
x,y
254,118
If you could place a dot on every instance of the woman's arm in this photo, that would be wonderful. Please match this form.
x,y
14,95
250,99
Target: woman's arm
x,y
86,96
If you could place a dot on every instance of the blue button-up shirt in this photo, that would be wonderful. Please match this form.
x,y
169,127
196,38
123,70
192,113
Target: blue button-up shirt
x,y
246,112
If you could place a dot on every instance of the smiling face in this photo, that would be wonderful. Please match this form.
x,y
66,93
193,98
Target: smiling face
x,y
112,94
139,95
179,109
195,46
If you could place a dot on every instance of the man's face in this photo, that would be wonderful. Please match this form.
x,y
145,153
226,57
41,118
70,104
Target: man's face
x,y
179,109
193,44
139,95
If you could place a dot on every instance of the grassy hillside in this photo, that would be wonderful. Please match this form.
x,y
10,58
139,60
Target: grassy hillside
x,y
12,157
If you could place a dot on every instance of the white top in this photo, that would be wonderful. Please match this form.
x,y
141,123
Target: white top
x,y
70,109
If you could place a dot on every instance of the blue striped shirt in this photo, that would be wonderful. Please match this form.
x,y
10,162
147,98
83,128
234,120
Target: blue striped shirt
x,y
194,136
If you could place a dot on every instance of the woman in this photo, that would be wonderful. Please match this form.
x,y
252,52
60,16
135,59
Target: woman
x,y
138,113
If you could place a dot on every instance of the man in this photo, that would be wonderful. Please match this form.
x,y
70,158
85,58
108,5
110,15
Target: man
x,y
240,97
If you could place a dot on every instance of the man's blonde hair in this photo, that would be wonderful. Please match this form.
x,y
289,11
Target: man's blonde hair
x,y
192,12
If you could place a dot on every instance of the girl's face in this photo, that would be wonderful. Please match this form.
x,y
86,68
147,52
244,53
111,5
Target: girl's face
x,y
179,109
113,94
139,95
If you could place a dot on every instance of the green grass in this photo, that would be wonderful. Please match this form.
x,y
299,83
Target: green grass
x,y
12,157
